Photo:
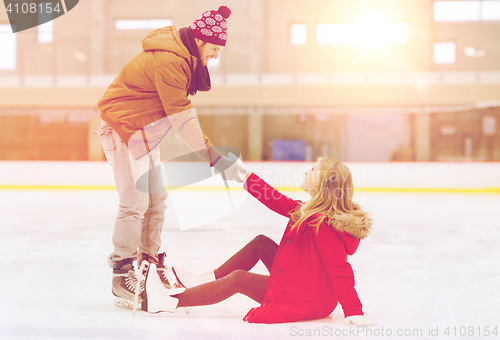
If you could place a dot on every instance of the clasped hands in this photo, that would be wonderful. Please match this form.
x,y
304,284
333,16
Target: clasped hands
x,y
232,168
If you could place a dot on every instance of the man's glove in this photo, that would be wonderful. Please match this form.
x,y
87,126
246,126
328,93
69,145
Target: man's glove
x,y
232,166
358,320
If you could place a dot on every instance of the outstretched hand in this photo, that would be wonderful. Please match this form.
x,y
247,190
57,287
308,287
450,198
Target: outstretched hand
x,y
358,320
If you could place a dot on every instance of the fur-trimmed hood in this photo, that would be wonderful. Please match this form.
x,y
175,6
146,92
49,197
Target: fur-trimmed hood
x,y
356,223
353,226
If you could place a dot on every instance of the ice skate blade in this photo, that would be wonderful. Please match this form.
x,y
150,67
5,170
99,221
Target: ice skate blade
x,y
123,303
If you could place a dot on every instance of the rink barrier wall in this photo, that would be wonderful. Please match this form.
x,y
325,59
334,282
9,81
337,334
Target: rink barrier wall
x,y
470,177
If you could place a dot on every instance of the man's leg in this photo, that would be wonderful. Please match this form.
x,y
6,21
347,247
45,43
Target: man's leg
x,y
154,217
133,203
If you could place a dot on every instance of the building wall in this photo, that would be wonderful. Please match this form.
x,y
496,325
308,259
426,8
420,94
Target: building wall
x,y
260,37
367,176
346,101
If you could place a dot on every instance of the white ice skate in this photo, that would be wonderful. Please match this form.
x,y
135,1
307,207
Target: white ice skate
x,y
157,298
189,280
167,276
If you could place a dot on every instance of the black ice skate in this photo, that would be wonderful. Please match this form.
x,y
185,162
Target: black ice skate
x,y
124,284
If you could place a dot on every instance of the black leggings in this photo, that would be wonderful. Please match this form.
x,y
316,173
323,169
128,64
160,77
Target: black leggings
x,y
233,277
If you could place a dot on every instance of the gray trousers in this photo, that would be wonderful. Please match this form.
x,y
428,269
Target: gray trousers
x,y
141,214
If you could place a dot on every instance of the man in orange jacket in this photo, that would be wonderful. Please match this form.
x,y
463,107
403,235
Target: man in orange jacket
x,y
147,99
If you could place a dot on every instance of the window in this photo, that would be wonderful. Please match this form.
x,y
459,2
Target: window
x,y
45,26
8,52
490,10
362,33
444,53
46,32
446,11
456,11
141,24
298,34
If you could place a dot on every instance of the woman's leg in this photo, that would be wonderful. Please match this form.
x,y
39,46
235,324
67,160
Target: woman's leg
x,y
239,281
260,248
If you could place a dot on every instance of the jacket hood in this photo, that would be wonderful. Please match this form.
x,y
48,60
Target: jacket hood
x,y
166,39
353,226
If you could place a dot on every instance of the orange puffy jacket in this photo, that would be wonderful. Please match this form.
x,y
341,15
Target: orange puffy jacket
x,y
152,86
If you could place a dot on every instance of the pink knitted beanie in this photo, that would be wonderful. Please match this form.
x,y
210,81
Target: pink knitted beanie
x,y
211,26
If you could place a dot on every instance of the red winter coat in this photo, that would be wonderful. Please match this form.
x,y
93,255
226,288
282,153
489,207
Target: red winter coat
x,y
310,273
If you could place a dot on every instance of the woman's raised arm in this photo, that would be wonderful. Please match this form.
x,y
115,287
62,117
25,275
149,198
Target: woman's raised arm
x,y
269,196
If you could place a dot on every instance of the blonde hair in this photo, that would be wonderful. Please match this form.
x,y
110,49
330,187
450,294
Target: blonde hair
x,y
333,195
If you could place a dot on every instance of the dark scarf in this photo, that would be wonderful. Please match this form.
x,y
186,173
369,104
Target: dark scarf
x,y
201,78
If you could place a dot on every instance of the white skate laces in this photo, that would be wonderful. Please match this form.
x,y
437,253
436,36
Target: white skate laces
x,y
167,274
131,281
140,284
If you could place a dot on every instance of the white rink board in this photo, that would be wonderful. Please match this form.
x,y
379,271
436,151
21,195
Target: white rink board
x,y
383,175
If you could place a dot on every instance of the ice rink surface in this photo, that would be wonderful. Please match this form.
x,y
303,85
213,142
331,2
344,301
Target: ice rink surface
x,y
431,264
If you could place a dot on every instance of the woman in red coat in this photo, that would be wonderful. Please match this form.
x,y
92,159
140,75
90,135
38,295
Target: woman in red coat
x,y
309,272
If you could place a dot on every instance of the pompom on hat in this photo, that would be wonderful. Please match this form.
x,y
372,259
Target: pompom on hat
x,y
211,26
